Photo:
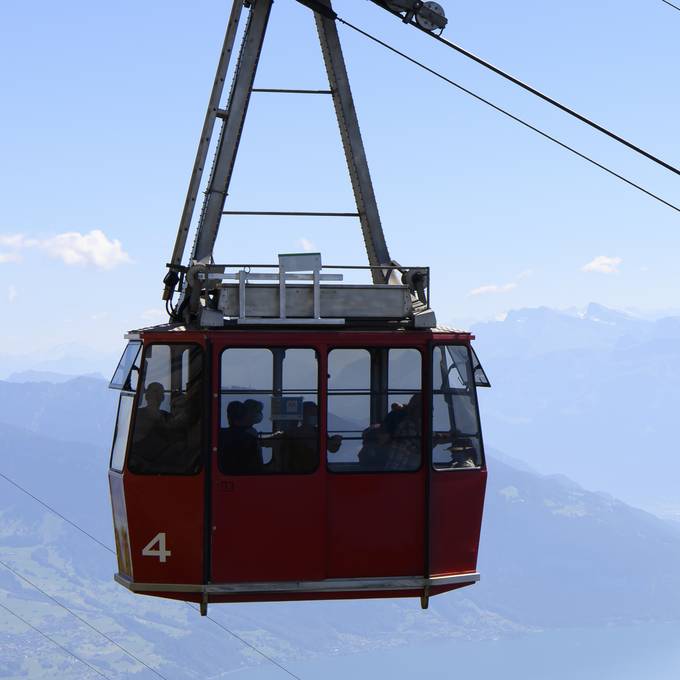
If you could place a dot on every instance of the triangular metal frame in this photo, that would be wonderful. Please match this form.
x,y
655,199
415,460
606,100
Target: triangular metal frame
x,y
233,118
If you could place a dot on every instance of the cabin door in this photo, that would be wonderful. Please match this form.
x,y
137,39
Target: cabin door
x,y
458,476
268,486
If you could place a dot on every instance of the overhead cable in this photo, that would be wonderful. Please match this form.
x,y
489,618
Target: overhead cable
x,y
58,514
671,4
112,551
54,642
248,644
508,114
542,95
81,619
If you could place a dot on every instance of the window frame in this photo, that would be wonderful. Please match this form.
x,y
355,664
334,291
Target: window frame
x,y
205,412
425,434
125,385
133,396
473,387
219,392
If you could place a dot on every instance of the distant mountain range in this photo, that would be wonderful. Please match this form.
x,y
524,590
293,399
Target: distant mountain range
x,y
593,395
552,555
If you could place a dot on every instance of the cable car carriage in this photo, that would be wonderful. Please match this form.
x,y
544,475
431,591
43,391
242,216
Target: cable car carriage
x,y
291,434
297,457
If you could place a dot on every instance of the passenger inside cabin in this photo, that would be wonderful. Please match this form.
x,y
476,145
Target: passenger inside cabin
x,y
151,419
151,435
405,444
463,453
254,414
238,450
296,450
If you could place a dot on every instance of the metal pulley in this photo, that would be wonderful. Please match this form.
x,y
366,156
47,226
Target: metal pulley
x,y
428,15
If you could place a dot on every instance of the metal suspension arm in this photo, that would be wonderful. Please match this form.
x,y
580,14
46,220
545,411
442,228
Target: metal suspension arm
x,y
355,154
234,117
203,146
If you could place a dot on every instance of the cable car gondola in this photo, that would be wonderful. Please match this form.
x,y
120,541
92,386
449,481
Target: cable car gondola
x,y
289,435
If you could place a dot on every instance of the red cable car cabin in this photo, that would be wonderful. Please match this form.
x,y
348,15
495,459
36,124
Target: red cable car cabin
x,y
289,462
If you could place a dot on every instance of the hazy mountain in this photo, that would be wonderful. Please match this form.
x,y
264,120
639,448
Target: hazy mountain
x,y
79,409
553,555
70,359
592,395
47,376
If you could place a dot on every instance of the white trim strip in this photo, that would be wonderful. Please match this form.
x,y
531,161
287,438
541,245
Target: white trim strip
x,y
323,586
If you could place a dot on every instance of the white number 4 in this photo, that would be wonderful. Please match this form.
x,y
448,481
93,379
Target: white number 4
x,y
156,548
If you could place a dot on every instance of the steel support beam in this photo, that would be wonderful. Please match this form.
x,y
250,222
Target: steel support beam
x,y
206,135
355,154
230,137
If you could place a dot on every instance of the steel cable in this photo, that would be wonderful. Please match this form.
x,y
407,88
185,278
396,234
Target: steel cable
x,y
54,642
112,551
82,620
513,117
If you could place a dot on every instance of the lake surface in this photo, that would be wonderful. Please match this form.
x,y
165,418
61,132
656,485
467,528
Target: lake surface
x,y
646,651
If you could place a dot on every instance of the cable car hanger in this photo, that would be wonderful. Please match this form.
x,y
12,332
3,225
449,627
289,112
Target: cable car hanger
x,y
200,512
203,305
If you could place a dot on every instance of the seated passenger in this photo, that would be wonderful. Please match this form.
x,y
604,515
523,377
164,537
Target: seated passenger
x,y
374,450
151,417
238,451
300,445
405,446
254,414
151,435
463,453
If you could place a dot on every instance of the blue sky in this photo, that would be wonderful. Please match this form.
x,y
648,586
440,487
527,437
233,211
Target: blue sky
x,y
102,103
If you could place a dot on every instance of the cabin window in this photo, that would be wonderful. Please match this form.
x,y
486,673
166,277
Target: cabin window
x,y
456,437
167,432
120,436
269,411
125,376
374,410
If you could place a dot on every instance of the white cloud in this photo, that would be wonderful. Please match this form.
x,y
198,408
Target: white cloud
x,y
16,241
12,294
154,314
307,245
72,248
603,264
502,287
91,248
493,288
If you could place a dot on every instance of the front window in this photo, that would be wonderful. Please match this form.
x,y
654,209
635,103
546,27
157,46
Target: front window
x,y
269,413
125,376
456,438
167,431
374,410
120,436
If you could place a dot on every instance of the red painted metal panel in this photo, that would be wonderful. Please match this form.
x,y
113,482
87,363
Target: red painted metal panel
x,y
376,524
265,527
268,528
120,524
457,500
172,505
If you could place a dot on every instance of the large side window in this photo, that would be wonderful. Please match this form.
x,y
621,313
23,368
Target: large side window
x,y
125,376
120,436
268,411
456,439
167,431
374,410
124,379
